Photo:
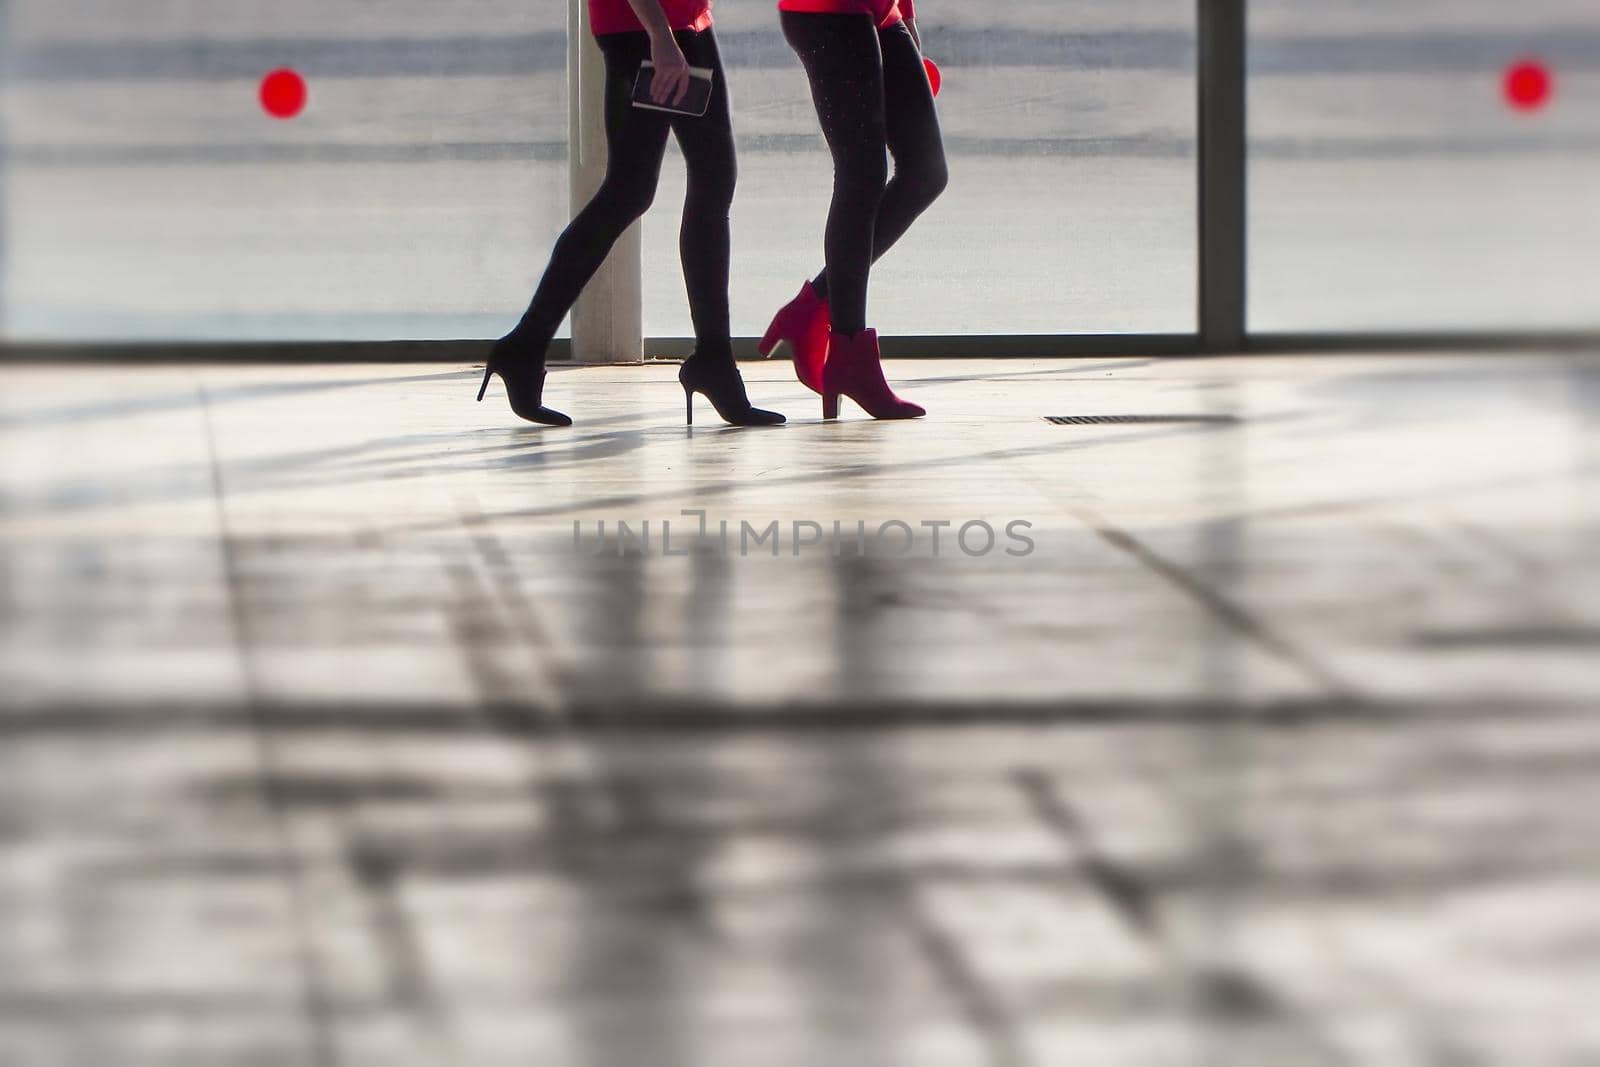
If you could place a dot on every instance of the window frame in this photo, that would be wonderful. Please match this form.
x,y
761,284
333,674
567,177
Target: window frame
x,y
607,323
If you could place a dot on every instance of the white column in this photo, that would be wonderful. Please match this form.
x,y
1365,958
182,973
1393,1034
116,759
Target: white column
x,y
608,321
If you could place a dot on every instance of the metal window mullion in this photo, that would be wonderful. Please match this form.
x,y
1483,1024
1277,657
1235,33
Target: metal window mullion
x,y
1222,177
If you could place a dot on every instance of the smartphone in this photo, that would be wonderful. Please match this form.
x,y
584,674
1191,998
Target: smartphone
x,y
695,102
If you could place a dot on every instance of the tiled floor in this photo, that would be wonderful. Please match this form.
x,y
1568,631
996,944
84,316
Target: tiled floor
x,y
324,740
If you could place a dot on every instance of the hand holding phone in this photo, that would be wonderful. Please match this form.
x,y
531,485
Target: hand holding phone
x,y
693,102
671,81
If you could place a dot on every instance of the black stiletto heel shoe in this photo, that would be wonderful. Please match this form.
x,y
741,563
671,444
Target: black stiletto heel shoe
x,y
524,381
720,382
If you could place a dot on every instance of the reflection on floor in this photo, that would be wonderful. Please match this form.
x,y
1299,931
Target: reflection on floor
x,y
333,731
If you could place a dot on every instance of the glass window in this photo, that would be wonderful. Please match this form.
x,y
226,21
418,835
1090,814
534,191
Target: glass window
x,y
1070,129
1406,174
149,195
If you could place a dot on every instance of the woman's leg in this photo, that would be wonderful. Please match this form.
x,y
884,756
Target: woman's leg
x,y
842,59
915,142
636,141
704,241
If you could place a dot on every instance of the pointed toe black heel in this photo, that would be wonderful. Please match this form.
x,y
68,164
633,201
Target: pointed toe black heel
x,y
719,381
523,376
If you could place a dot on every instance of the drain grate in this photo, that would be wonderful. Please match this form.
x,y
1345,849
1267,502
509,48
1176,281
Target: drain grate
x,y
1127,420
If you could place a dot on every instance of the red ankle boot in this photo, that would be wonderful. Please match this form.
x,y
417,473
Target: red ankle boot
x,y
803,323
855,369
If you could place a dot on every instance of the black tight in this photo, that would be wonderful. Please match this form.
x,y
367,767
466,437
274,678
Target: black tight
x,y
872,94
636,141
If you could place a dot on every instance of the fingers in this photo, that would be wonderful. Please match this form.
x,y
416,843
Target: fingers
x,y
670,85
671,80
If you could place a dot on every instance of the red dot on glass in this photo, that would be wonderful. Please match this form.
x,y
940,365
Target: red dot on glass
x,y
283,94
1528,85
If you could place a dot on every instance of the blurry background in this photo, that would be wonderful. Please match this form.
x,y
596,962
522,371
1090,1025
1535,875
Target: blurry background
x,y
418,194
1392,187
414,197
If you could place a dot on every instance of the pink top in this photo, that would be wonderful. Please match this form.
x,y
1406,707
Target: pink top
x,y
615,16
885,12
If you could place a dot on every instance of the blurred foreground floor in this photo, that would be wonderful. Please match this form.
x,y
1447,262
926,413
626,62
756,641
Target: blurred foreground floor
x,y
322,741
